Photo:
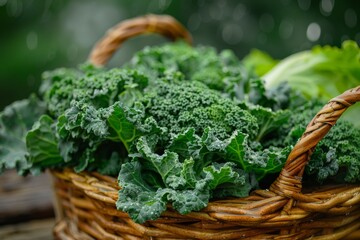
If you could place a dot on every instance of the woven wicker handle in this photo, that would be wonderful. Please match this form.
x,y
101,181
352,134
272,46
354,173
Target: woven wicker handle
x,y
289,180
161,24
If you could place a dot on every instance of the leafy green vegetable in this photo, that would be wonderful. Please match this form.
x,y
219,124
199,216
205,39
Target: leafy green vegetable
x,y
121,128
323,65
15,121
217,71
94,117
42,144
260,162
99,87
188,158
178,125
180,105
336,157
323,73
176,181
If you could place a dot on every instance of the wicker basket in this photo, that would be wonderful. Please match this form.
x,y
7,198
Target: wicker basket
x,y
86,209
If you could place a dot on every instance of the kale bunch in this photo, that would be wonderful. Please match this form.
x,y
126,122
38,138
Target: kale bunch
x,y
176,124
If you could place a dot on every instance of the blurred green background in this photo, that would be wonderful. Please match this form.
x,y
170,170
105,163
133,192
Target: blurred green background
x,y
40,35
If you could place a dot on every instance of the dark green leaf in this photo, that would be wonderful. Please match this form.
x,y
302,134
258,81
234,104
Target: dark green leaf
x,y
15,121
42,143
121,129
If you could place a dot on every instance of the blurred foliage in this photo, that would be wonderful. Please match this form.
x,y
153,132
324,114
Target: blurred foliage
x,y
38,35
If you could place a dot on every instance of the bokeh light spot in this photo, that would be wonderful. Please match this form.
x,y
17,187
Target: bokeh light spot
x,y
326,7
32,40
14,8
3,2
232,33
350,18
239,12
313,32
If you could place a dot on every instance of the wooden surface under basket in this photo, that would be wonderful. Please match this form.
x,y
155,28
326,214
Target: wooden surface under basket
x,y
86,201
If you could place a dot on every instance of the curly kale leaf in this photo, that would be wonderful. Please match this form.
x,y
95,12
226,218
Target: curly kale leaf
x,y
86,131
121,129
177,106
89,114
268,121
199,154
136,197
219,71
99,87
152,180
201,64
15,121
337,156
42,143
258,160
